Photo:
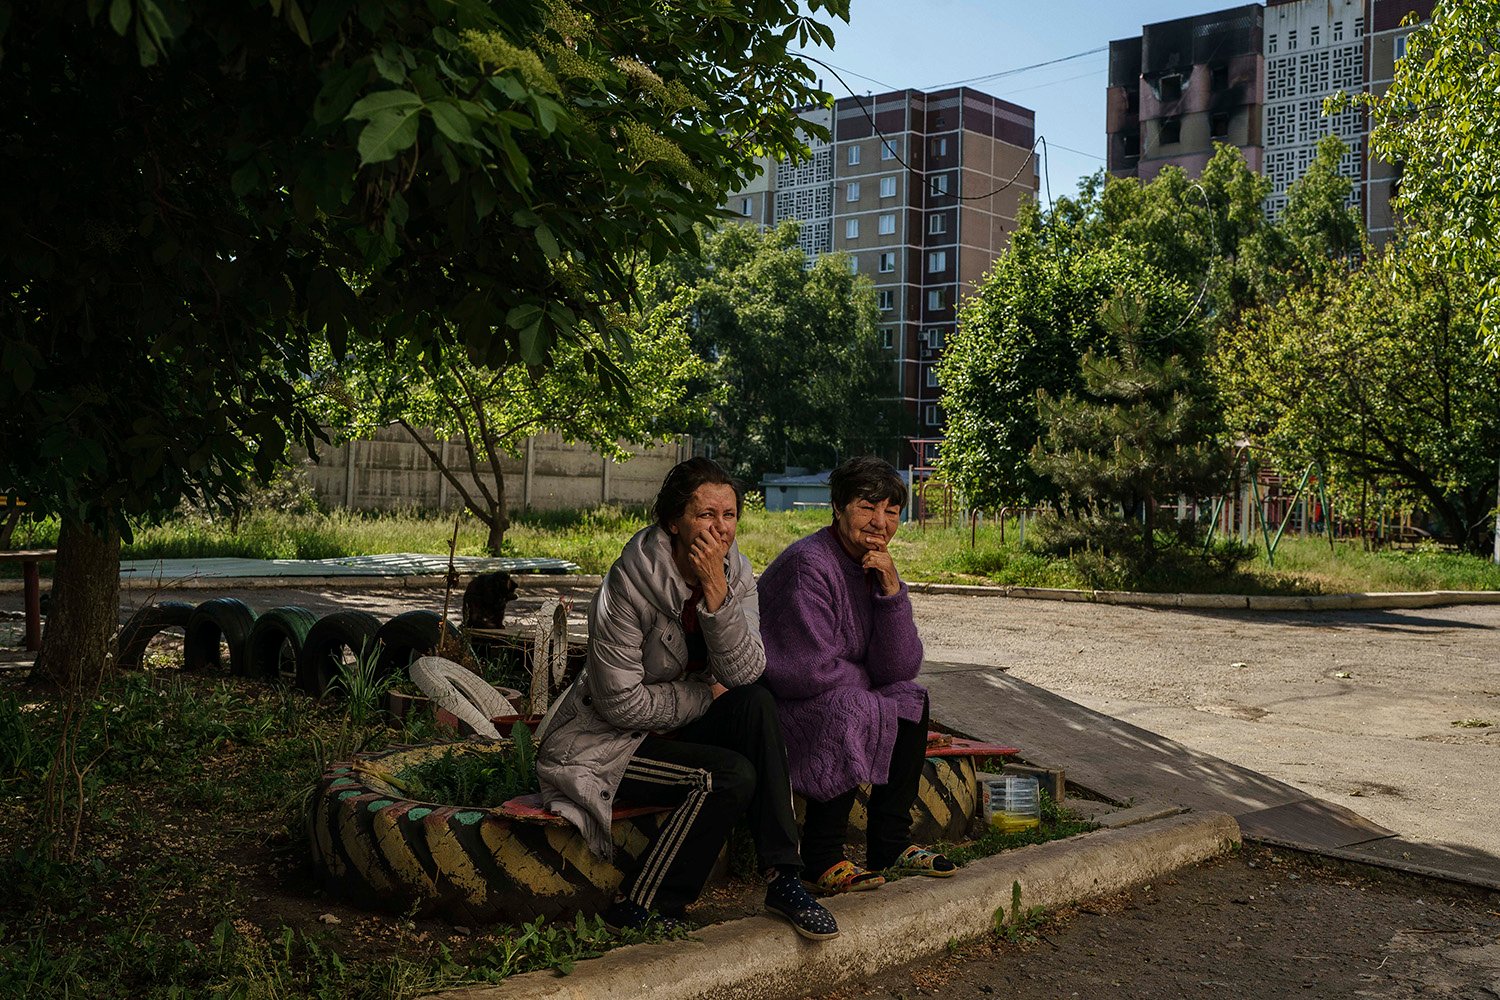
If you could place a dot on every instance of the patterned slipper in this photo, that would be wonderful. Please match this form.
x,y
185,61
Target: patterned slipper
x,y
786,897
846,876
920,861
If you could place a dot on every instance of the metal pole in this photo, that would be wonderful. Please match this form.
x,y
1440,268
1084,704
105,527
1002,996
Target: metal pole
x,y
33,588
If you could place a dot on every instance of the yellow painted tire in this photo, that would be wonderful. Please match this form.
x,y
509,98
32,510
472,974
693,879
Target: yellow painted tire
x,y
376,847
947,802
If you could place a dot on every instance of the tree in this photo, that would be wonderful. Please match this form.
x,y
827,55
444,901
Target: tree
x,y
1380,375
1140,429
493,411
198,191
794,346
1036,314
1440,122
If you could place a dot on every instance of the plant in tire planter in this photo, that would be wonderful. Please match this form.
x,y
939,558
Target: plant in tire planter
x,y
330,644
463,776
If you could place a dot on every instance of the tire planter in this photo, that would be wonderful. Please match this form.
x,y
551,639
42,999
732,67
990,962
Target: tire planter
x,y
408,636
947,802
146,624
375,846
225,618
275,643
323,648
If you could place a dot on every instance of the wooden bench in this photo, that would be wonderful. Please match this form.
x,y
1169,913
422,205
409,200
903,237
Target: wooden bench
x,y
31,560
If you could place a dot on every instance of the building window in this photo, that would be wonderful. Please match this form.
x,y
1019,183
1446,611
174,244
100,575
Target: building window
x,y
888,339
851,229
1130,143
1171,131
887,187
1359,27
935,339
886,300
1338,31
935,299
1218,78
940,147
887,262
937,224
1291,40
853,264
1271,45
930,415
1400,47
888,149
887,224
1170,88
853,156
1218,124
1313,35
747,207
851,192
939,184
931,377
937,261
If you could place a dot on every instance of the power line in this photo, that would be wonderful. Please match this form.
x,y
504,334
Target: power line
x,y
1018,69
832,67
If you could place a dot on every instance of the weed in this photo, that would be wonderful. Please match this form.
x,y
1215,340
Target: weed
x,y
475,776
1057,822
1472,723
1019,924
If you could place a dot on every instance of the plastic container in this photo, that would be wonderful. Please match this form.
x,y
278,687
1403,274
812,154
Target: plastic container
x,y
1011,803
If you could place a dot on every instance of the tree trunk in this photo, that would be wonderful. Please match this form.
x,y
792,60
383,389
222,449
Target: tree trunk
x,y
85,607
499,519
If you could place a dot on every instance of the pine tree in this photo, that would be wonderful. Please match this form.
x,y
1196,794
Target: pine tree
x,y
1142,432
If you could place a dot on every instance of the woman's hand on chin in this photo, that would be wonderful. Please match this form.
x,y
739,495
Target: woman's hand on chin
x,y
706,558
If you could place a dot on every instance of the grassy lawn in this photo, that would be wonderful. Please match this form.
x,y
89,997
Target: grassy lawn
x,y
593,538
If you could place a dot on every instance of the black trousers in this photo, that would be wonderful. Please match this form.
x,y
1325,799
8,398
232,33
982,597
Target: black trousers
x,y
728,764
888,833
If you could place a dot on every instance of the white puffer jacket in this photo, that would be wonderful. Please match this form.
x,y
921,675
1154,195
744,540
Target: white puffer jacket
x,y
635,681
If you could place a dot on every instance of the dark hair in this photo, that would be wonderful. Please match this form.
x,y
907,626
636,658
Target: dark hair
x,y
683,481
866,478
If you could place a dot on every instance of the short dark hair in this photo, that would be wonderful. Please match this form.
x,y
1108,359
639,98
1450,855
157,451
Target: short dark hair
x,y
683,481
866,478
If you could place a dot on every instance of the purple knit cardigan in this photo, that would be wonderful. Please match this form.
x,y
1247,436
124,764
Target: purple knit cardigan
x,y
840,658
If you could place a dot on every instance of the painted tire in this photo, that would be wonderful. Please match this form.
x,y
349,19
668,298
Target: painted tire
x,y
226,618
323,649
275,643
408,636
146,624
376,847
947,802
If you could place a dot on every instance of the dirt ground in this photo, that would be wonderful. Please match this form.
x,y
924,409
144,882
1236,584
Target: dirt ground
x,y
1258,925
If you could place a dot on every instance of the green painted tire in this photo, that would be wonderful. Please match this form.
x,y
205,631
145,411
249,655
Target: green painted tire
x,y
146,624
376,847
226,618
275,643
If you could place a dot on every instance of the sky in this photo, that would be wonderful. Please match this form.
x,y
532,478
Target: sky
x,y
922,43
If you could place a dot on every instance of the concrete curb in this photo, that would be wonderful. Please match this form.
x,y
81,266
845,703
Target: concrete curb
x,y
1224,602
759,958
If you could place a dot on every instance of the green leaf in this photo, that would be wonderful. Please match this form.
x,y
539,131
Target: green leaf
x,y
244,180
522,316
389,65
384,100
119,16
453,123
387,135
548,242
534,343
298,23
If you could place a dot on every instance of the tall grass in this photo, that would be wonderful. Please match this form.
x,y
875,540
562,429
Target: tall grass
x,y
593,539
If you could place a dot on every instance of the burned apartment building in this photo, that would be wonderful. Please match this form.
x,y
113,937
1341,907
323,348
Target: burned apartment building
x,y
1184,86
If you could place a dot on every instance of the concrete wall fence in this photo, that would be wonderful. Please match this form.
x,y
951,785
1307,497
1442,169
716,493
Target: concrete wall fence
x,y
391,472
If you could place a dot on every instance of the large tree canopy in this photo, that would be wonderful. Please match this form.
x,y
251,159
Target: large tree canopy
x,y
793,346
1440,121
197,189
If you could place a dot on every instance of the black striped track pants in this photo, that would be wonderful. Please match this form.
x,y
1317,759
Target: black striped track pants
x,y
728,764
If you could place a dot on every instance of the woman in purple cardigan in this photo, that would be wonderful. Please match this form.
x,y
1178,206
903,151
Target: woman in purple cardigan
x,y
841,653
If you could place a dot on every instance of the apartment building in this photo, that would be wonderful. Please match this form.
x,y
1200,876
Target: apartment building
x,y
1182,87
1188,84
921,190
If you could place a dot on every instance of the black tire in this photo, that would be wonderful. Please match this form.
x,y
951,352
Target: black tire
x,y
146,624
276,641
323,649
226,618
375,846
408,636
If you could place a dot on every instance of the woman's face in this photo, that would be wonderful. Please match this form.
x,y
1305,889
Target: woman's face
x,y
866,525
711,510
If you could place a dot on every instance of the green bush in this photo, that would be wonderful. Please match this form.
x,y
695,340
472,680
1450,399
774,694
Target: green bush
x,y
473,776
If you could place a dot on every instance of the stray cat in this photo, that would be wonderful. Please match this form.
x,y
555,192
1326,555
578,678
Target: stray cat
x,y
485,599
